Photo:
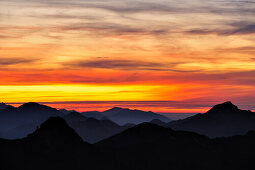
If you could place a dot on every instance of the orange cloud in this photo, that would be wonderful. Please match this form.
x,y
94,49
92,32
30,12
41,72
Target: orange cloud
x,y
151,51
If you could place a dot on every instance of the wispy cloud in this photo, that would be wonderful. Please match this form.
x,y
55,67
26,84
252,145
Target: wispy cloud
x,y
15,61
121,64
185,44
238,29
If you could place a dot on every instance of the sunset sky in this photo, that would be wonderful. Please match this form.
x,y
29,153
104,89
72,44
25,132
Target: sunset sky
x,y
165,55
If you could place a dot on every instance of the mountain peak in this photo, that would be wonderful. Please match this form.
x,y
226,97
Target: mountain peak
x,y
228,103
36,108
117,108
113,111
31,105
226,107
126,115
56,131
3,106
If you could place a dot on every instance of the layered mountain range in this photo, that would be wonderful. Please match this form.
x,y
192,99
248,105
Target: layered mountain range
x,y
55,145
223,119
91,126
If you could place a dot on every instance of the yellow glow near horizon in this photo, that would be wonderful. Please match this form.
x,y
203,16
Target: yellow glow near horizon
x,y
51,93
126,50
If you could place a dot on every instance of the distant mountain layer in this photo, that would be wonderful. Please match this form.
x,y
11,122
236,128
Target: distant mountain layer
x,y
94,114
55,145
91,126
91,129
17,122
222,120
123,116
3,106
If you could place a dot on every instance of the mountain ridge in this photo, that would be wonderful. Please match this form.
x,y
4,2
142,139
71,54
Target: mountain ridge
x,y
55,145
223,119
125,115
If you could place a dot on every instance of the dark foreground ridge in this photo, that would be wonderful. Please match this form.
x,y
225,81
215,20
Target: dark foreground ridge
x,y
55,145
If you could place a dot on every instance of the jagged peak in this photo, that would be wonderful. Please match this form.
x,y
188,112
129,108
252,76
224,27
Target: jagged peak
x,y
224,107
56,130
3,104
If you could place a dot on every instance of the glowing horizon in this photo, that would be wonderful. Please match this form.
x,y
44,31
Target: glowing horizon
x,y
128,50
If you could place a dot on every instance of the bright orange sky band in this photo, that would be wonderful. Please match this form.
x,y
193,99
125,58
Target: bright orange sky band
x,y
164,56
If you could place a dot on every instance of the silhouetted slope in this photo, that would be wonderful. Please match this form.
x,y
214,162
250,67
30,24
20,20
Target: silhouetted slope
x,y
20,131
74,116
159,122
123,116
3,106
147,133
17,122
95,115
241,144
55,133
222,120
93,130
66,112
239,150
52,146
129,125
149,146
38,109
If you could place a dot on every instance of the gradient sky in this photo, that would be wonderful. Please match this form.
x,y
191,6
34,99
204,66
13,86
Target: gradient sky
x,y
164,55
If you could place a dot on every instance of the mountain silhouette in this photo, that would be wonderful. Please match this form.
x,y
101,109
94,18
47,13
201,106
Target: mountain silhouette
x,y
74,116
223,119
93,130
123,116
3,106
55,132
94,114
66,112
18,122
129,125
149,133
149,146
35,108
55,145
159,122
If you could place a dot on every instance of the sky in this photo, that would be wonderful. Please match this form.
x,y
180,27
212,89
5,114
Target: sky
x,y
178,56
